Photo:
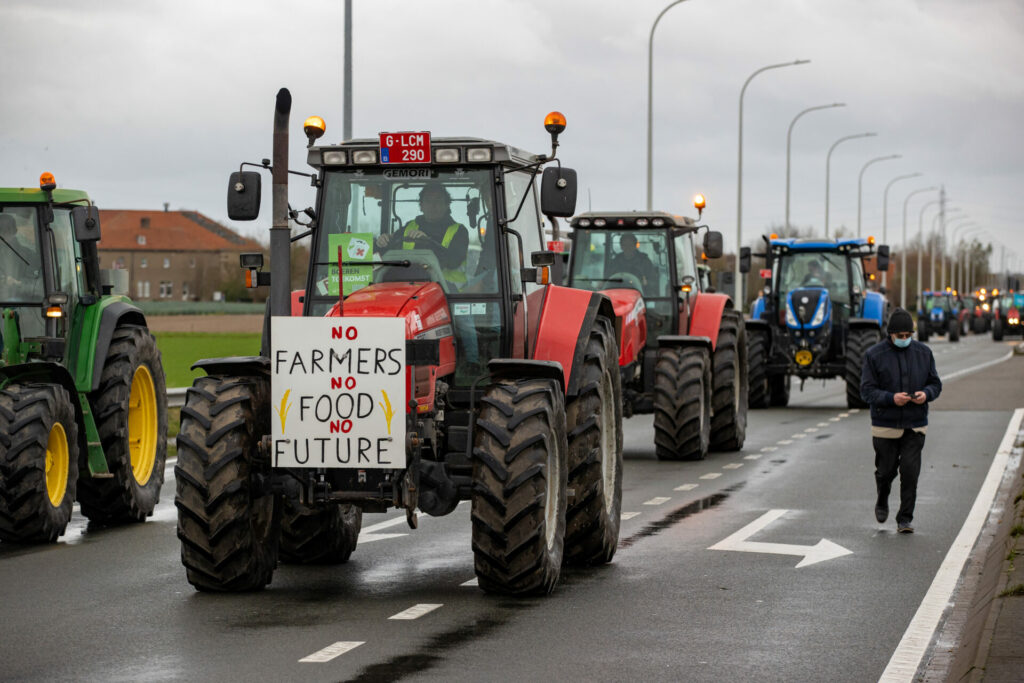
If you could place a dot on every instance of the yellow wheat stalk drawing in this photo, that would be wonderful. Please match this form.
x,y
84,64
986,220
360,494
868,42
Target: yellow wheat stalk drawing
x,y
388,411
282,412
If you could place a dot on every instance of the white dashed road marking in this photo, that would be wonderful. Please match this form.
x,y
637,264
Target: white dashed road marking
x,y
629,515
799,436
784,442
686,487
811,430
844,415
769,449
822,424
753,456
833,419
732,466
711,475
417,611
657,501
331,651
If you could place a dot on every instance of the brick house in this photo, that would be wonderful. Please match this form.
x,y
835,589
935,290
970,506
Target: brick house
x,y
172,255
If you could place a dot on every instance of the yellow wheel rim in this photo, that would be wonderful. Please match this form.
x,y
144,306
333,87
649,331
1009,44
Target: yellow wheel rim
x,y
57,464
142,425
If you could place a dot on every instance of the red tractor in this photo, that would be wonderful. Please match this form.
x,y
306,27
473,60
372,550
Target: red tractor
x,y
685,358
424,363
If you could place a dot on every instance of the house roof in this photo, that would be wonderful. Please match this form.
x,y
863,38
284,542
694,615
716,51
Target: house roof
x,y
168,231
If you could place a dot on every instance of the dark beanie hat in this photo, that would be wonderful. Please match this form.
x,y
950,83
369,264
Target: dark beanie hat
x,y
900,321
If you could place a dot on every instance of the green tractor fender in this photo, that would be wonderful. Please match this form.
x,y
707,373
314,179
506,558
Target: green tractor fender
x,y
97,331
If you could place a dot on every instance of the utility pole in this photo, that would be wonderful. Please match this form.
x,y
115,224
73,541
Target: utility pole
x,y
941,240
346,132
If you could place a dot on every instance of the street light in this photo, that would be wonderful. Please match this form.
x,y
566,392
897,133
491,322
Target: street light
x,y
789,141
961,284
739,177
920,242
650,102
860,183
885,216
903,259
942,246
828,168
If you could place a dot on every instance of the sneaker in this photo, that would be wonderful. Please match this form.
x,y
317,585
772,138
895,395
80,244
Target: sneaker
x,y
881,513
905,528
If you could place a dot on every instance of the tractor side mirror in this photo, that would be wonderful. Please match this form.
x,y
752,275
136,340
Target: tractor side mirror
x,y
558,192
713,244
882,258
86,222
244,196
744,259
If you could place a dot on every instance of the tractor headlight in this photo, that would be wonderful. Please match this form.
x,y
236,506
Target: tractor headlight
x,y
790,317
819,315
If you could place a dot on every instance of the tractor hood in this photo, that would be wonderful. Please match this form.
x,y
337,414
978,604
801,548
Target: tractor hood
x,y
422,304
631,312
808,308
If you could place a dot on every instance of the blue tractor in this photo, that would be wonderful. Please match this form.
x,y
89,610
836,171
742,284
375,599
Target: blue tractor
x,y
939,314
815,316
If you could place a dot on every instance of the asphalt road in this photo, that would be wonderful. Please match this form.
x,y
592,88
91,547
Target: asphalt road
x,y
113,604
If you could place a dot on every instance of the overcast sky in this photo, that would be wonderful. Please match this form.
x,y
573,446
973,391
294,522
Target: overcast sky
x,y
142,103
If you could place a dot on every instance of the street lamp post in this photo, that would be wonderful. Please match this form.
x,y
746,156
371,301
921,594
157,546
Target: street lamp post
x,y
860,183
739,176
959,270
885,216
828,168
920,242
970,255
903,256
650,103
789,143
942,247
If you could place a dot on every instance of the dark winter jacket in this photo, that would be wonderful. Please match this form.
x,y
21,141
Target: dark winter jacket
x,y
888,370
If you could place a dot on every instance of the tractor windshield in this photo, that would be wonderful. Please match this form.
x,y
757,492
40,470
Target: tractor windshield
x,y
615,259
21,278
439,220
797,270
940,301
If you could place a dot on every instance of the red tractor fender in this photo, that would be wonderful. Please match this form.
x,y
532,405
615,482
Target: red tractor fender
x,y
630,322
707,315
566,318
425,310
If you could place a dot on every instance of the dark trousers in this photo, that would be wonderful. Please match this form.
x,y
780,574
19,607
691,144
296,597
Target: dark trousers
x,y
903,456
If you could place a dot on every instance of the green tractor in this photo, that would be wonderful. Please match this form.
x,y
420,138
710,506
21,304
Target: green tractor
x,y
83,407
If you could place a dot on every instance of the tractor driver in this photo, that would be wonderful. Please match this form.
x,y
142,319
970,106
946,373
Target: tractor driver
x,y
435,229
814,276
19,261
632,260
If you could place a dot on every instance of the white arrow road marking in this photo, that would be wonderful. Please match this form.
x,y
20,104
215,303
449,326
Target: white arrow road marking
x,y
369,535
812,554
416,611
332,651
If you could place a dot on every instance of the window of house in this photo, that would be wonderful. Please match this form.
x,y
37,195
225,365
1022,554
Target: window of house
x,y
143,262
192,262
166,289
167,263
145,290
141,239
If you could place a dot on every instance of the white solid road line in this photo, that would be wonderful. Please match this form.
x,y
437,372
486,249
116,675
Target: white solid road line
x,y
907,658
331,651
417,611
975,368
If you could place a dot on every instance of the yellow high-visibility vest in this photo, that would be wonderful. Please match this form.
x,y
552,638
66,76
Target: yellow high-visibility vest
x,y
456,275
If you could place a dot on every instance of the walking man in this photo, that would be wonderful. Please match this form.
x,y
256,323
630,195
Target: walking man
x,y
898,380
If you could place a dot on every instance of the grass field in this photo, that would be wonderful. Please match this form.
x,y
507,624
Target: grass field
x,y
180,349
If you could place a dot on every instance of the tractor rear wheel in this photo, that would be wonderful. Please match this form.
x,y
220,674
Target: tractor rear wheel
x,y
38,462
778,390
682,403
594,423
997,330
229,528
730,391
319,535
922,330
520,468
757,370
130,407
857,344
978,325
954,330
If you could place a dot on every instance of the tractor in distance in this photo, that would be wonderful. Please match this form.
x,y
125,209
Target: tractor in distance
x,y
815,316
83,412
476,379
1006,314
939,314
686,359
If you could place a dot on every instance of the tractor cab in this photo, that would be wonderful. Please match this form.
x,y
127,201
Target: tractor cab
x,y
939,313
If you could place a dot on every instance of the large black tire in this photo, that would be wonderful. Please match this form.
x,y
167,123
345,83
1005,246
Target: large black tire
x,y
922,330
594,424
757,370
520,468
319,535
130,408
978,325
954,330
778,390
730,389
229,532
682,403
857,343
997,330
38,462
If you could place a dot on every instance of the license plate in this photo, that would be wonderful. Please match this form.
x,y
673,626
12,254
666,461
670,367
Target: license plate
x,y
405,148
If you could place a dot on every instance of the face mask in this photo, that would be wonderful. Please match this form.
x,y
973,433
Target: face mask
x,y
902,343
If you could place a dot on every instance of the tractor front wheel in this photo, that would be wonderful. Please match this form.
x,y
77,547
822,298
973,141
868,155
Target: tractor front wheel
x,y
682,403
857,344
520,468
594,423
997,330
730,389
319,535
130,407
228,526
757,371
38,462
